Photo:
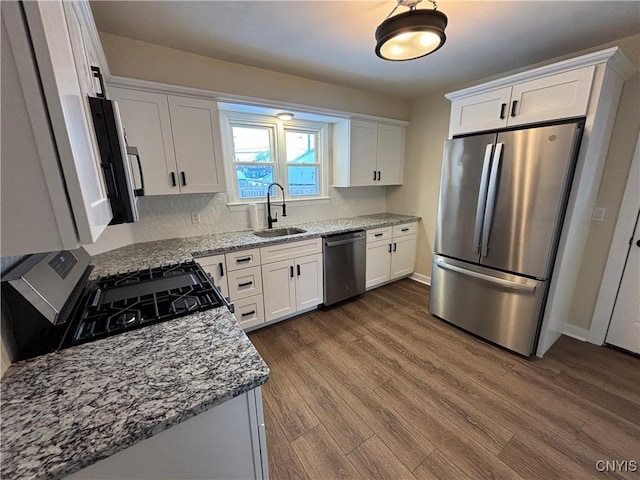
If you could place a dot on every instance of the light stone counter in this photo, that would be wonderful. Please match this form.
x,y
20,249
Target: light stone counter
x,y
150,254
69,409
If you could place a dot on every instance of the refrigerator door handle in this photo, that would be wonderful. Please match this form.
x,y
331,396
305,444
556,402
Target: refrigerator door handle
x,y
491,199
482,197
526,287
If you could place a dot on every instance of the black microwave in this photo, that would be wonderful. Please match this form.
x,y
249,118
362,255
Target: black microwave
x,y
115,156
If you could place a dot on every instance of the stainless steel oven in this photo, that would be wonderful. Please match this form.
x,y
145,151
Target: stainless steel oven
x,y
53,305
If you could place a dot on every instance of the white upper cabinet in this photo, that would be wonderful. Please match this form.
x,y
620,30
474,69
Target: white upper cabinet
x,y
367,153
178,139
53,191
196,140
147,126
549,97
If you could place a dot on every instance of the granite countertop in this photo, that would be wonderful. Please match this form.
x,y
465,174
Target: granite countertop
x,y
160,252
69,409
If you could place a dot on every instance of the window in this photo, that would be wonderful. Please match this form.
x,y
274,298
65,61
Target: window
x,y
261,150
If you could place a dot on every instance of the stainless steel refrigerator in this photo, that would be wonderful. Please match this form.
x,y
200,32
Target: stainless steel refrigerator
x,y
502,202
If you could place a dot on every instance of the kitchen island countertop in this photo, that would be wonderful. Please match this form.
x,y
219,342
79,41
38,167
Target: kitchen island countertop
x,y
174,250
68,409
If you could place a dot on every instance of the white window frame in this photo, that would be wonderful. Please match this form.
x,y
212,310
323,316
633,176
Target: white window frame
x,y
228,119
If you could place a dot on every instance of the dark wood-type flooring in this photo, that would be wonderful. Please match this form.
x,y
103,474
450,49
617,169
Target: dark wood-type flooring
x,y
379,389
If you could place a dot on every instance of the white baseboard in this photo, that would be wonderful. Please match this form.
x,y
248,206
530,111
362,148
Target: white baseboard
x,y
576,332
418,277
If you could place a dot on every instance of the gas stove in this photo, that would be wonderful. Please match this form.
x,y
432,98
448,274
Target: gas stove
x,y
53,305
131,300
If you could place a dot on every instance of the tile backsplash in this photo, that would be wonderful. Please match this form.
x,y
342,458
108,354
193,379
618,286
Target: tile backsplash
x,y
170,216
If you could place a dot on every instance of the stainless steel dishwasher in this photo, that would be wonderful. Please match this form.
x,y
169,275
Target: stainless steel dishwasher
x,y
344,265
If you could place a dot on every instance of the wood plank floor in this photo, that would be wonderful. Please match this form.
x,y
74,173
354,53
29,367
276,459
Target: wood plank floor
x,y
379,389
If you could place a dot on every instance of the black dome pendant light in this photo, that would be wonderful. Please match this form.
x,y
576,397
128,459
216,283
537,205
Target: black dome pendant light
x,y
411,34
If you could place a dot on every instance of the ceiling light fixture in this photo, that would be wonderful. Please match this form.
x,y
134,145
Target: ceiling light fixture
x,y
411,34
284,116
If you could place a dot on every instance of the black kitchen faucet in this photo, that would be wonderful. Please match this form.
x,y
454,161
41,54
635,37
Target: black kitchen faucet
x,y
271,220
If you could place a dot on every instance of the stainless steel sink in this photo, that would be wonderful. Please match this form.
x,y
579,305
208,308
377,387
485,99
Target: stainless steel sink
x,y
279,232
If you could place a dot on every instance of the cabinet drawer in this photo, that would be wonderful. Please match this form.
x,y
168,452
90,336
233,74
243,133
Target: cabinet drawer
x,y
245,283
287,251
250,311
406,229
243,259
379,234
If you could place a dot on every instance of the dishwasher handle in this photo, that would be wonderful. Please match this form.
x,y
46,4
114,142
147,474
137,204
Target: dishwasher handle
x,y
342,242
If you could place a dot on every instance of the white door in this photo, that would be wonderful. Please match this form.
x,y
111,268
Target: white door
x,y
624,329
309,287
363,152
145,117
403,256
196,139
279,289
390,154
215,266
485,111
378,263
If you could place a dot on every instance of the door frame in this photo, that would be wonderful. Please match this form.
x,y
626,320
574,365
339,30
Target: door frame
x,y
615,262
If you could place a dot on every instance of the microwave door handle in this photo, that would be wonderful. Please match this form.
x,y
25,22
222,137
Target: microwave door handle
x,y
482,198
491,199
133,151
127,165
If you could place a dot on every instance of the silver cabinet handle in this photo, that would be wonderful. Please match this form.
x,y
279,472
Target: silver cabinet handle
x,y
527,287
491,199
482,197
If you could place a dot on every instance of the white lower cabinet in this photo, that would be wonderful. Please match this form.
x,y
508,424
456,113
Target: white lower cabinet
x,y
249,311
292,285
391,253
215,266
225,442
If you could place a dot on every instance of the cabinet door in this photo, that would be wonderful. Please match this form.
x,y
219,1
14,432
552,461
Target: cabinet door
x,y
279,289
363,153
486,111
196,139
390,154
309,286
563,95
147,126
378,263
215,266
403,256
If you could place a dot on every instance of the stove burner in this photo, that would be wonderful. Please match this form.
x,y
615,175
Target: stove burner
x,y
185,304
135,299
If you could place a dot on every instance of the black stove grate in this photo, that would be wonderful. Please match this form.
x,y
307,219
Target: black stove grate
x,y
130,300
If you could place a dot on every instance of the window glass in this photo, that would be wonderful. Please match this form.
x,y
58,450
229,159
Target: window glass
x,y
303,180
253,160
301,146
260,150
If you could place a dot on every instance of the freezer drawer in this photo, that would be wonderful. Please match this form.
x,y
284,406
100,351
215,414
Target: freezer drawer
x,y
499,307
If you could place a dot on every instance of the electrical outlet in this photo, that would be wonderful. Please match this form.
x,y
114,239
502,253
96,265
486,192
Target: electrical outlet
x,y
356,202
195,217
598,214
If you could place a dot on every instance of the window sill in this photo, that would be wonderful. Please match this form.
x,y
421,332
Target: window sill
x,y
262,204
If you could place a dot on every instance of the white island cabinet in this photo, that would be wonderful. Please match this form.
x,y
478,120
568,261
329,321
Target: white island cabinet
x,y
53,190
225,442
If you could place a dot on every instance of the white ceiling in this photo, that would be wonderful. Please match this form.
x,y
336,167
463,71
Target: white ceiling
x,y
333,41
